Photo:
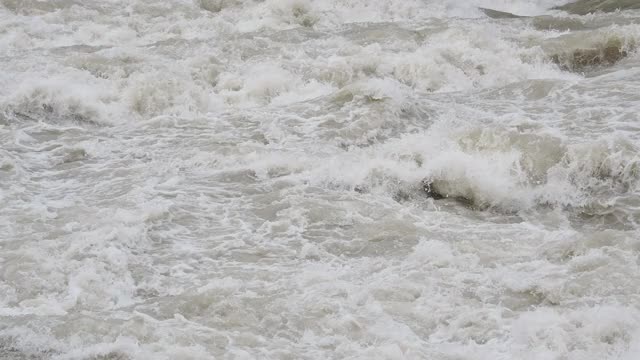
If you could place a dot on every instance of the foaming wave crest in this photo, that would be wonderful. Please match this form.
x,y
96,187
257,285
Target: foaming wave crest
x,y
500,169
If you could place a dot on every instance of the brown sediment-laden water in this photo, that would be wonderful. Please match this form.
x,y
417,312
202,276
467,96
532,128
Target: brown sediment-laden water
x,y
327,179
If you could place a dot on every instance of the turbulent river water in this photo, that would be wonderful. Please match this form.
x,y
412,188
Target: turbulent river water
x,y
330,179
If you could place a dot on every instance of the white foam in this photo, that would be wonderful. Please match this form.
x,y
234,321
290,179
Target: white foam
x,y
190,179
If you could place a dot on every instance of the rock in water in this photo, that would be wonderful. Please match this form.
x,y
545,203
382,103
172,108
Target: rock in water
x,y
495,14
438,190
583,7
546,22
605,55
427,186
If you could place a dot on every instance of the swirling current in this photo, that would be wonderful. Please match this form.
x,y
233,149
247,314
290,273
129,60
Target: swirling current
x,y
326,179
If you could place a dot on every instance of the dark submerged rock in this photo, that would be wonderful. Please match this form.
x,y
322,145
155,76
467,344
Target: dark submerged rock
x,y
604,55
429,190
546,22
495,14
583,7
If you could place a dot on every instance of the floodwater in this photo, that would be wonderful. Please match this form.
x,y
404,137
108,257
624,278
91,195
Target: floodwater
x,y
329,179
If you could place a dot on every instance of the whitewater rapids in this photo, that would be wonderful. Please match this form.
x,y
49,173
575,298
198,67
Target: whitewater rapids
x,y
243,179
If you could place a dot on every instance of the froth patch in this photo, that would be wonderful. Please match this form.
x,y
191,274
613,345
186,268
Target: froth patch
x,y
582,332
266,83
37,6
495,181
152,94
55,100
279,14
299,12
506,170
215,6
578,176
262,82
597,171
456,59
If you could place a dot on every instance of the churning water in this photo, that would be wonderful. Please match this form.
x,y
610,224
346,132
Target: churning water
x,y
329,179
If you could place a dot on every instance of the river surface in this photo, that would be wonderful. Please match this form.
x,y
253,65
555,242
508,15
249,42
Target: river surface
x,y
330,179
